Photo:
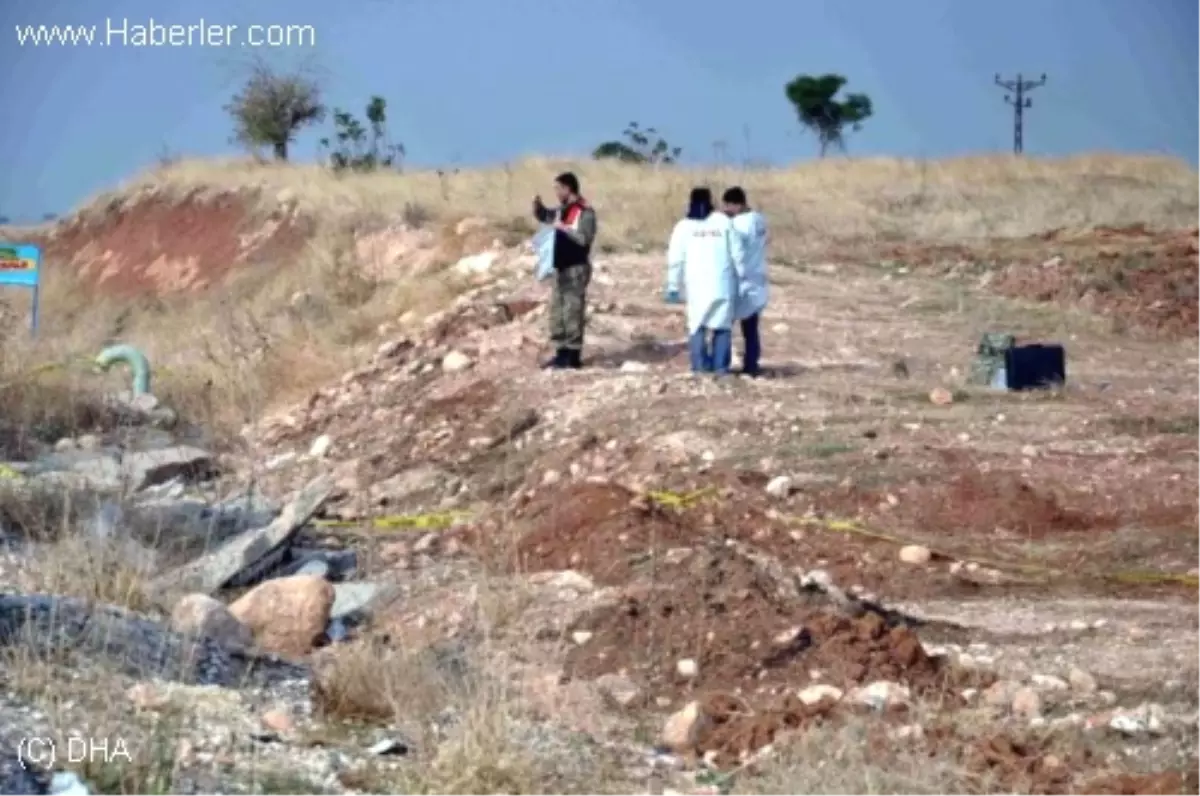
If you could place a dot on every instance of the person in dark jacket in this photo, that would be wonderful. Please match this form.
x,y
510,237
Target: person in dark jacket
x,y
575,229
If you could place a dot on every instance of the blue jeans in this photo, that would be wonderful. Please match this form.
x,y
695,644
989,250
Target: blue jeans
x,y
714,357
753,345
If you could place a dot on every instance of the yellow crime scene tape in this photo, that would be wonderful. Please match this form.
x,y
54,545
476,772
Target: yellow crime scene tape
x,y
680,500
400,522
1120,576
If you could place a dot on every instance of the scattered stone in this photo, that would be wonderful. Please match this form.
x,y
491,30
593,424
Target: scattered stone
x,y
940,396
278,720
880,695
390,747
632,366
287,615
1026,703
314,567
581,637
683,729
352,600
456,361
819,692
147,468
1000,693
147,696
1146,719
143,649
789,637
1081,681
243,559
915,554
201,615
687,667
780,486
620,688
320,447
1048,682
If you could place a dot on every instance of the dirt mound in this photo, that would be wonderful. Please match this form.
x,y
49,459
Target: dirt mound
x,y
755,642
963,498
1131,273
154,243
597,528
1141,277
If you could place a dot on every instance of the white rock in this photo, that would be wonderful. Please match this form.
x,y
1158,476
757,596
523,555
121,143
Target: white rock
x,y
320,447
476,263
915,554
881,694
817,578
581,637
683,729
1048,682
815,693
631,366
456,361
1146,719
687,667
780,486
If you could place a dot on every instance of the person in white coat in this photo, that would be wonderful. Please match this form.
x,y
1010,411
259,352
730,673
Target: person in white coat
x,y
706,259
752,292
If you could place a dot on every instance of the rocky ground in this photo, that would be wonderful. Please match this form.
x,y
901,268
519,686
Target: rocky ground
x,y
453,571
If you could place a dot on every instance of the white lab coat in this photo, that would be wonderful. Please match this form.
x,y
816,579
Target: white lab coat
x,y
706,261
752,293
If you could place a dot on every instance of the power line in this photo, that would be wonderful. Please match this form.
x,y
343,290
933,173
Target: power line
x,y
1018,89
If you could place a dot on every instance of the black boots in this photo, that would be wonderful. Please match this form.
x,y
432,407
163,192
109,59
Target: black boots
x,y
565,359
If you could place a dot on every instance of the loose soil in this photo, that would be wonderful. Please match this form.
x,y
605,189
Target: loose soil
x,y
154,244
598,529
755,642
1145,279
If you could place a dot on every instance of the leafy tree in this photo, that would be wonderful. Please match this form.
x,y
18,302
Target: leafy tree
x,y
362,148
817,107
272,107
640,145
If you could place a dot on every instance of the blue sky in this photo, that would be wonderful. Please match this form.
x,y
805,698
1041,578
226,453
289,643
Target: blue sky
x,y
476,81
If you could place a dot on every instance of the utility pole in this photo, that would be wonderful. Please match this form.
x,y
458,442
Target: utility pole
x,y
1019,88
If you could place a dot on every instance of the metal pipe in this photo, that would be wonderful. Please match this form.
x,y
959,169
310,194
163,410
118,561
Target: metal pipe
x,y
135,359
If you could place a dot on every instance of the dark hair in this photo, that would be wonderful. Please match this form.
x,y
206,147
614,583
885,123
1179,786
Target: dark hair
x,y
700,203
568,181
734,196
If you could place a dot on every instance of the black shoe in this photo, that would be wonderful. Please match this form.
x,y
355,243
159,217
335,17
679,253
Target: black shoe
x,y
560,360
574,358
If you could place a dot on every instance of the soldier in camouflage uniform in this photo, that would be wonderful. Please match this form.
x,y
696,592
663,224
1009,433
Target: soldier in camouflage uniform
x,y
575,224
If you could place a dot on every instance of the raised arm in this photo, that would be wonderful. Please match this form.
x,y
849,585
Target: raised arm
x,y
542,213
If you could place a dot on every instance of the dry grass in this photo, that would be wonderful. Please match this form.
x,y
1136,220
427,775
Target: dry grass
x,y
880,198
